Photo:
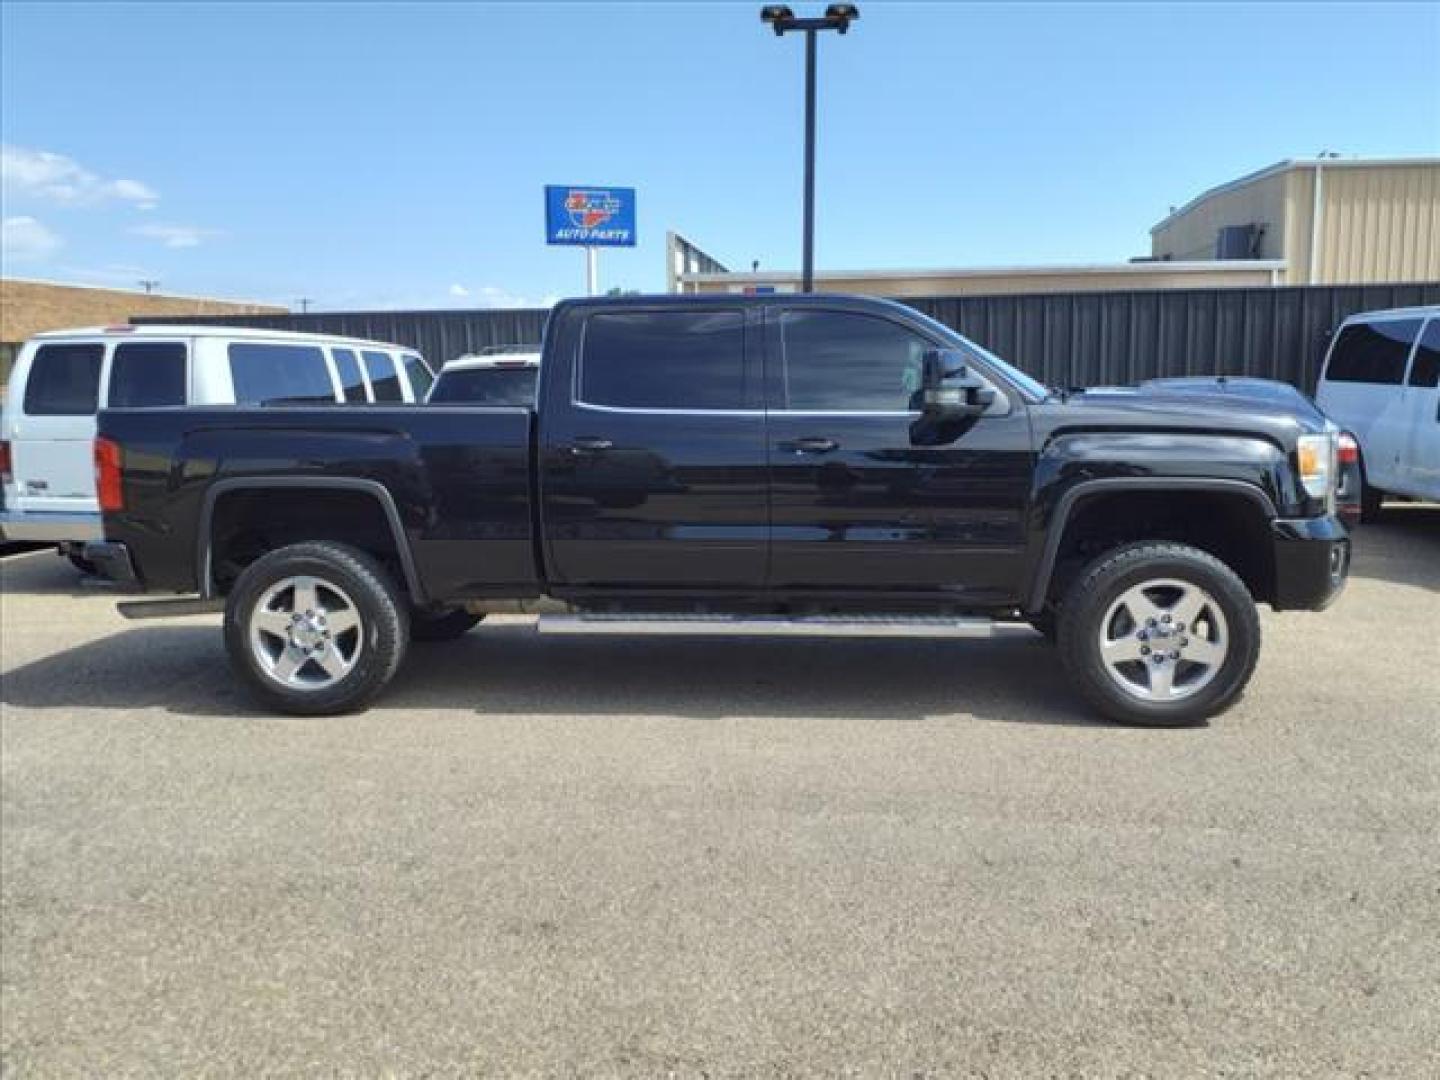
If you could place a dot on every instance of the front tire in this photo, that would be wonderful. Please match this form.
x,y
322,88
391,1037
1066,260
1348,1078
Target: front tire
x,y
315,629
1159,635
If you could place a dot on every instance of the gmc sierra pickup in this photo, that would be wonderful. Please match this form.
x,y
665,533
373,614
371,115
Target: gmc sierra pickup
x,y
729,464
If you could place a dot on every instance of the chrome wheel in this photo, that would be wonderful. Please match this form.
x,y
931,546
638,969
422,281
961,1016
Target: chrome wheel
x,y
306,633
1164,640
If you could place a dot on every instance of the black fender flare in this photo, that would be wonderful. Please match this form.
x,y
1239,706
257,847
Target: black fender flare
x,y
372,488
1065,507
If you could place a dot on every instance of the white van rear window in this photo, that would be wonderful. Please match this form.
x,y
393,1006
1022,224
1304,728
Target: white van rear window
x,y
1373,352
64,380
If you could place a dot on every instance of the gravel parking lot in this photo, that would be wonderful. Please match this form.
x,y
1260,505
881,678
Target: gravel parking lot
x,y
653,857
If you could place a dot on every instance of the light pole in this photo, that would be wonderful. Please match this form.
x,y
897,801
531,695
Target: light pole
x,y
782,20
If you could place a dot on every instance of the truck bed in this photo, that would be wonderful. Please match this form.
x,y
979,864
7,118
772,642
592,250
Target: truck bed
x,y
455,480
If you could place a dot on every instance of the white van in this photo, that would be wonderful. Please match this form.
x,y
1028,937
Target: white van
x,y
1381,380
61,378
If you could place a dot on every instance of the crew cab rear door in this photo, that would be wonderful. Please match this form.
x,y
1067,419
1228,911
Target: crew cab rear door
x,y
856,507
652,449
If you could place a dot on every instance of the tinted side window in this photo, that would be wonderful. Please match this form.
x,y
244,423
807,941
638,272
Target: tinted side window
x,y
421,377
664,360
348,368
147,375
280,375
384,379
1373,352
1425,371
64,380
838,361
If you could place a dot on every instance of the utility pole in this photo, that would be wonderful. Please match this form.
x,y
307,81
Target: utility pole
x,y
782,20
149,285
304,303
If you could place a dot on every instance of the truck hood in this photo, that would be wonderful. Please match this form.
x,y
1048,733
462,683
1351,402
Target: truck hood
x,y
1117,408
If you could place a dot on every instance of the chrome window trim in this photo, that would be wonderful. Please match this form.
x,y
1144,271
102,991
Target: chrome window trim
x,y
630,410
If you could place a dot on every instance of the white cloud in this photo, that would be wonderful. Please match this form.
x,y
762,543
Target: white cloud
x,y
492,296
24,239
459,290
55,178
175,236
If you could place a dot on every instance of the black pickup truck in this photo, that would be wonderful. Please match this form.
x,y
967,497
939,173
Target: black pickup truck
x,y
723,465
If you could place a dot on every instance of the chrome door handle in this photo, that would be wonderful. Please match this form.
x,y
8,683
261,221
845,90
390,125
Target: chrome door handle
x,y
589,444
811,444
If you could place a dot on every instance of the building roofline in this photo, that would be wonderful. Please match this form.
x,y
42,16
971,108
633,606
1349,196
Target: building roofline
x,y
1287,165
1145,267
277,308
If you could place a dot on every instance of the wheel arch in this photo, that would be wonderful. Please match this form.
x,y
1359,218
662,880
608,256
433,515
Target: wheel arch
x,y
373,490
1077,499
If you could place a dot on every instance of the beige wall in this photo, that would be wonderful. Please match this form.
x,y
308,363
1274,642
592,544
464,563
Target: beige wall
x,y
1001,284
28,307
1191,235
1379,223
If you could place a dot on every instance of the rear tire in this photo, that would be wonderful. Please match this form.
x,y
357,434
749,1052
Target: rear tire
x,y
443,625
315,629
1124,610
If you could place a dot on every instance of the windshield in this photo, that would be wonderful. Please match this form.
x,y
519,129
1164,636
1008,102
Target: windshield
x,y
1031,388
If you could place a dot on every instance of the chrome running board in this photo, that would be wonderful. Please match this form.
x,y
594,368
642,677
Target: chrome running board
x,y
870,626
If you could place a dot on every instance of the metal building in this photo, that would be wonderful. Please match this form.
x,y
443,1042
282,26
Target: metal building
x,y
1326,221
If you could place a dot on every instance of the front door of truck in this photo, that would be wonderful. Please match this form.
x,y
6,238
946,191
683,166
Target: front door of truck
x,y
652,451
858,507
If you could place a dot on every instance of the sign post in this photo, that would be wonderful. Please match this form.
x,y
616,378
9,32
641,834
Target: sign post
x,y
592,218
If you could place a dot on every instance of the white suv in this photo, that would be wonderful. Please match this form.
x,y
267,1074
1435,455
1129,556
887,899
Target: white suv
x,y
1382,381
498,375
63,377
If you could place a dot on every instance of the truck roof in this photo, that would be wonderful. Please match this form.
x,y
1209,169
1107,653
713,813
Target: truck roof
x,y
734,299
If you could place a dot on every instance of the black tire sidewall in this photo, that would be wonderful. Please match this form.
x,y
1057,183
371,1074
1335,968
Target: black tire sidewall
x,y
383,619
1110,576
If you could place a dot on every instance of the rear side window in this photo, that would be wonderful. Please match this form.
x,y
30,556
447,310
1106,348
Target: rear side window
x,y
147,374
280,375
1373,352
348,368
64,380
421,378
384,379
692,360
843,362
1425,371
486,386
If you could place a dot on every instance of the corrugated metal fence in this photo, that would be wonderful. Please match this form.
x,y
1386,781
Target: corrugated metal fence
x,y
1100,338
1066,339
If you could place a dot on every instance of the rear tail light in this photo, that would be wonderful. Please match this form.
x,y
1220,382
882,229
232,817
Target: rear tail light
x,y
5,468
1349,452
107,475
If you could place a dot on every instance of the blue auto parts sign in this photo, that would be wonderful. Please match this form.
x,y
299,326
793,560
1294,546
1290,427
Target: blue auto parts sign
x,y
590,216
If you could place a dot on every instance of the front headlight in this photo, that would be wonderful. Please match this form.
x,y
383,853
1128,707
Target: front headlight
x,y
1316,457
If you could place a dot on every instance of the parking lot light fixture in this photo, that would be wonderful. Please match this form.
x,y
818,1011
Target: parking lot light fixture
x,y
782,21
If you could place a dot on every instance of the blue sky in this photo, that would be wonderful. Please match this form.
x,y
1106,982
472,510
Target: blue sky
x,y
394,154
